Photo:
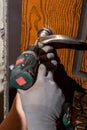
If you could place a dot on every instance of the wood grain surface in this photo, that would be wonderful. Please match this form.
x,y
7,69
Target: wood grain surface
x,y
62,17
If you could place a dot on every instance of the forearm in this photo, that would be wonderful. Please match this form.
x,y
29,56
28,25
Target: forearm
x,y
15,118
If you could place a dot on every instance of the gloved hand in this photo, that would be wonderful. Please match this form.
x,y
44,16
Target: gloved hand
x,y
42,103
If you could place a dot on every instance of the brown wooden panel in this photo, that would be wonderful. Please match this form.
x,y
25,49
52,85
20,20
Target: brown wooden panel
x,y
62,17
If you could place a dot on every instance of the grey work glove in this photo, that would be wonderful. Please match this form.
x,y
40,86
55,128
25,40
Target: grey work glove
x,y
42,103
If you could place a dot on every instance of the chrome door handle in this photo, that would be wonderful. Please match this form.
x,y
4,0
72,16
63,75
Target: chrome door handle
x,y
60,41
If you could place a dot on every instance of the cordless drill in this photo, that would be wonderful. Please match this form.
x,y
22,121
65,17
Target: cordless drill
x,y
24,72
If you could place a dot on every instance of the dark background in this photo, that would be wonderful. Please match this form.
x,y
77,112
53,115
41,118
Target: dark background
x,y
14,36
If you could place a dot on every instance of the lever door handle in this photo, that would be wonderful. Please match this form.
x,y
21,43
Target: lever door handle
x,y
60,41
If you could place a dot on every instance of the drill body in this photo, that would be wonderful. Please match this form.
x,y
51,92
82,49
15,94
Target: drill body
x,y
24,72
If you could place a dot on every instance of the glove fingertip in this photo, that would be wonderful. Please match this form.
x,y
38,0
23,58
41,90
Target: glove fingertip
x,y
41,70
50,75
54,62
